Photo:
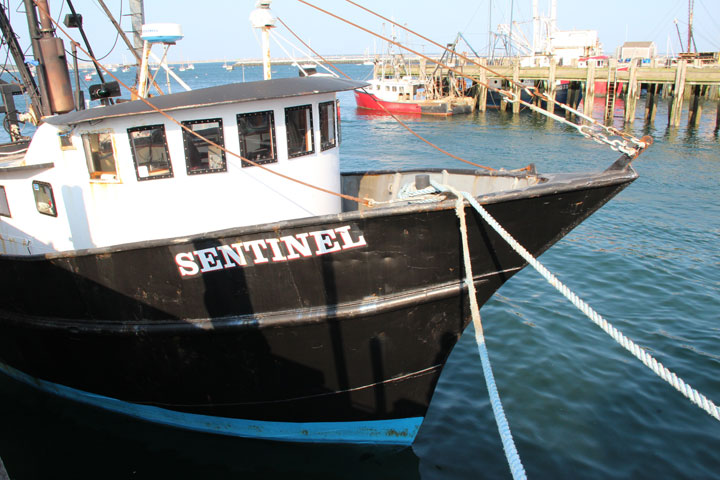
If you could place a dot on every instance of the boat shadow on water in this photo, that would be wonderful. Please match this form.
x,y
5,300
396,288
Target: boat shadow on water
x,y
46,437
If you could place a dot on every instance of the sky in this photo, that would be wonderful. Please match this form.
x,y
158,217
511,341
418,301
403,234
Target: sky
x,y
220,29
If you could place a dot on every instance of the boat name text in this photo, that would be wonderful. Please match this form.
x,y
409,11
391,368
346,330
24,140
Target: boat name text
x,y
268,250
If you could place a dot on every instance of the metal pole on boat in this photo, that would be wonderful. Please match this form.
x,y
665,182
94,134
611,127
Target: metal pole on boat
x,y
263,19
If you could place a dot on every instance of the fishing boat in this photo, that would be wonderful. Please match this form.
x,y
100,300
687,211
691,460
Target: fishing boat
x,y
198,260
395,89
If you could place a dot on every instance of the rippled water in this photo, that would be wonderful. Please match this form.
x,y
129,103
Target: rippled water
x,y
578,404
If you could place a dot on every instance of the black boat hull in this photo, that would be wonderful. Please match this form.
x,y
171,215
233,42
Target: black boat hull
x,y
330,329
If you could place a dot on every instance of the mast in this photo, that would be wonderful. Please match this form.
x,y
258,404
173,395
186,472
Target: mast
x,y
536,27
52,70
137,19
490,42
691,7
263,19
31,88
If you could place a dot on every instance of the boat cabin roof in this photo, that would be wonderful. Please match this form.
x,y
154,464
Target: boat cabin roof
x,y
223,94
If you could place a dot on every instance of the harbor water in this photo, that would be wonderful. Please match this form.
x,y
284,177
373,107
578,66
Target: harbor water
x,y
578,404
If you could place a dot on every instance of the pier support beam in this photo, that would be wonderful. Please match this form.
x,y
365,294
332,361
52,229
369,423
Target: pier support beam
x,y
573,98
678,93
633,92
482,90
695,106
551,89
589,99
516,90
651,103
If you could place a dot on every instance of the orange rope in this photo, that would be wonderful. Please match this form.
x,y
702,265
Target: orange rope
x,y
365,202
386,110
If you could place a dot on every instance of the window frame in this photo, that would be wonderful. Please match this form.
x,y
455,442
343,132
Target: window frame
x,y
311,129
327,144
243,143
187,138
96,175
165,144
4,204
53,206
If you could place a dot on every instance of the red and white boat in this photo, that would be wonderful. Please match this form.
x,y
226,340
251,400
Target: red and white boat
x,y
409,96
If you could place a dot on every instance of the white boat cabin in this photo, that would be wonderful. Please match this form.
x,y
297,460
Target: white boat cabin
x,y
126,173
405,89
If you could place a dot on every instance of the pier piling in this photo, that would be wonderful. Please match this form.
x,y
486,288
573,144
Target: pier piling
x,y
678,92
589,89
516,90
695,106
651,103
552,89
482,90
632,93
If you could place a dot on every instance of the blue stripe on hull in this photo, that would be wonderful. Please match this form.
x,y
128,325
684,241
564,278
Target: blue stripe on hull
x,y
379,432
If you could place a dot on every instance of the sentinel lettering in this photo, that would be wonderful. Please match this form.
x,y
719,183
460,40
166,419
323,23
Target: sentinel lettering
x,y
268,250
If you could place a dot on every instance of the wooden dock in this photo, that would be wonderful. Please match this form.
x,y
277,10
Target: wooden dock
x,y
680,81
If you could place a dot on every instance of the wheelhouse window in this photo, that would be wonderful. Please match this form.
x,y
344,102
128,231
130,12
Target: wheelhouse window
x,y
100,156
200,156
150,152
257,137
327,125
44,198
4,206
298,122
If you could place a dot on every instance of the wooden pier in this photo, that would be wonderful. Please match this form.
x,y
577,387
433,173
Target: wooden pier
x,y
677,82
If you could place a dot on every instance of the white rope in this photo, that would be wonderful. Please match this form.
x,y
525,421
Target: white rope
x,y
516,466
693,395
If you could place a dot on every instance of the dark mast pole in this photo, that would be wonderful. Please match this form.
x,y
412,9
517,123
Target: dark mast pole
x,y
37,51
29,83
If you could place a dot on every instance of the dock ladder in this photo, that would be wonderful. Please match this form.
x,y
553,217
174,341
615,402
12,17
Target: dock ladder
x,y
610,94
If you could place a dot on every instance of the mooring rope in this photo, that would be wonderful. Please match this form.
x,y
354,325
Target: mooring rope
x,y
514,462
648,360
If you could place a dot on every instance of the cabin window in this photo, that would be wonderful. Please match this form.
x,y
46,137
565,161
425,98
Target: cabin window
x,y
200,156
257,137
44,198
150,152
4,207
327,125
298,122
100,156
66,142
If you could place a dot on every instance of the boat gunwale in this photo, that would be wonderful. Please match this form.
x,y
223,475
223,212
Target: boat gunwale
x,y
551,184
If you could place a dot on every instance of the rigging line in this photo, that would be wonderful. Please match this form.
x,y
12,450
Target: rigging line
x,y
162,112
420,137
519,85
